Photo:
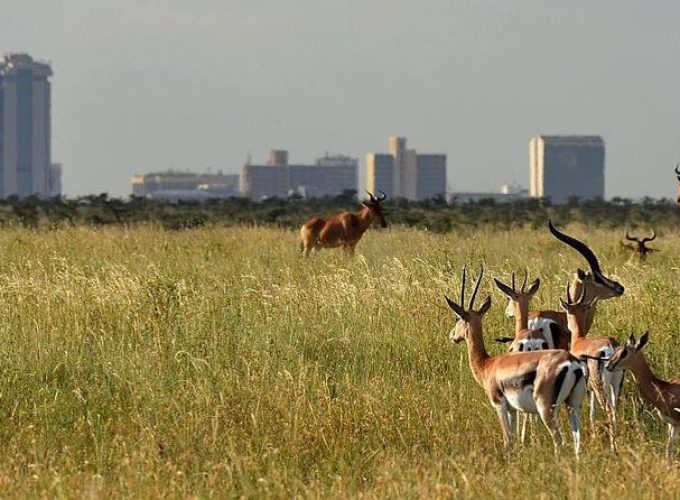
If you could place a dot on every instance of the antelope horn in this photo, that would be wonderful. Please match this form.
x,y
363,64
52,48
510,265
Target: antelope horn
x,y
649,238
677,170
524,280
381,195
629,237
462,288
513,281
372,197
579,246
476,288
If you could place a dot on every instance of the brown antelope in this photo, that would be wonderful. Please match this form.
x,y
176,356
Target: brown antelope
x,y
530,382
605,387
640,248
528,339
344,229
597,287
677,193
663,395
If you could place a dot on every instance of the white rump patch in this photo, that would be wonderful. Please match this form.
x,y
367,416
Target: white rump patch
x,y
529,345
539,323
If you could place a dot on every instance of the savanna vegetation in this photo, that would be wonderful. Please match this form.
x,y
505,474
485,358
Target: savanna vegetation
x,y
432,215
217,361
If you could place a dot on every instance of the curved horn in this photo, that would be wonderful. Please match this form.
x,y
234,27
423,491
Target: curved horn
x,y
579,246
524,281
476,288
462,288
629,237
677,170
371,196
649,238
381,195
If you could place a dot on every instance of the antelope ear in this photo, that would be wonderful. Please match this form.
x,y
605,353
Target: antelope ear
x,y
460,312
642,342
505,289
631,339
503,340
581,274
534,287
485,305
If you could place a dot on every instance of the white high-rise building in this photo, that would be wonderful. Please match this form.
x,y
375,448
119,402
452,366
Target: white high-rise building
x,y
25,129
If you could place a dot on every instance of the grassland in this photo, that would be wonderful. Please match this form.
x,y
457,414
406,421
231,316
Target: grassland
x,y
218,362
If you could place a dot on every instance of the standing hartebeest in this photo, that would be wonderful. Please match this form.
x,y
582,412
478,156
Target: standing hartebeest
x,y
344,229
640,249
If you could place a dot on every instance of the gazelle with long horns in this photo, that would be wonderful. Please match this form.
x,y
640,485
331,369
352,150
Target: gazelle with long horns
x,y
344,229
605,387
663,395
640,248
526,338
596,285
531,382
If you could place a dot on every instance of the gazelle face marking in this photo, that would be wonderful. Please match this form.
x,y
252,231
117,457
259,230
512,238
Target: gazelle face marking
x,y
510,309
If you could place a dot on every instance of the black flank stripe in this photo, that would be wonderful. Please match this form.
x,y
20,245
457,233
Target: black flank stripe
x,y
554,333
559,382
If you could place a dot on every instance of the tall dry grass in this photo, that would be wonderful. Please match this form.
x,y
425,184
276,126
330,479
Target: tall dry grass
x,y
220,363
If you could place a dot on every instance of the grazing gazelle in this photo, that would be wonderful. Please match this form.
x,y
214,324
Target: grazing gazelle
x,y
663,395
531,382
597,287
604,386
344,229
528,339
640,249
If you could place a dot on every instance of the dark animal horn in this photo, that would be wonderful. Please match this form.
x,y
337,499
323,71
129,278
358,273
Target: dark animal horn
x,y
579,246
649,238
462,288
629,237
477,283
381,195
524,280
677,170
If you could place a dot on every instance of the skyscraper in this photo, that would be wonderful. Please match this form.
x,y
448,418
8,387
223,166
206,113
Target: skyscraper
x,y
563,167
25,129
403,173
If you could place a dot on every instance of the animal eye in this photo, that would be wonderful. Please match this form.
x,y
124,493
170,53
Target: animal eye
x,y
624,354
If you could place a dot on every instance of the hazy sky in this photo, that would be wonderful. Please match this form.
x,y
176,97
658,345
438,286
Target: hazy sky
x,y
144,85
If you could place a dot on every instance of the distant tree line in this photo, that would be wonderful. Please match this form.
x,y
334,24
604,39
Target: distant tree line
x,y
433,215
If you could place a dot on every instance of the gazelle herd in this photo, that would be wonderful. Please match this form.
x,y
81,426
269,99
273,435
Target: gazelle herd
x,y
554,359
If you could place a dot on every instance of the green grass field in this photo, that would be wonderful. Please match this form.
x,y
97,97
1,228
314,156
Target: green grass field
x,y
218,362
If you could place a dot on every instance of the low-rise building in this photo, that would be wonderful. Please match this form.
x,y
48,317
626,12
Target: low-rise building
x,y
175,186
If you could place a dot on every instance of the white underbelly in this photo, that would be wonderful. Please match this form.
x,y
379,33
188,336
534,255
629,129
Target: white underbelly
x,y
522,400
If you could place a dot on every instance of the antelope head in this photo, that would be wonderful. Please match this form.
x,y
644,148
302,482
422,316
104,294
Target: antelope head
x,y
594,282
518,298
374,205
640,248
627,353
468,320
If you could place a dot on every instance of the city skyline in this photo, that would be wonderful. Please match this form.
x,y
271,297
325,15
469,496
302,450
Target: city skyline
x,y
146,86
